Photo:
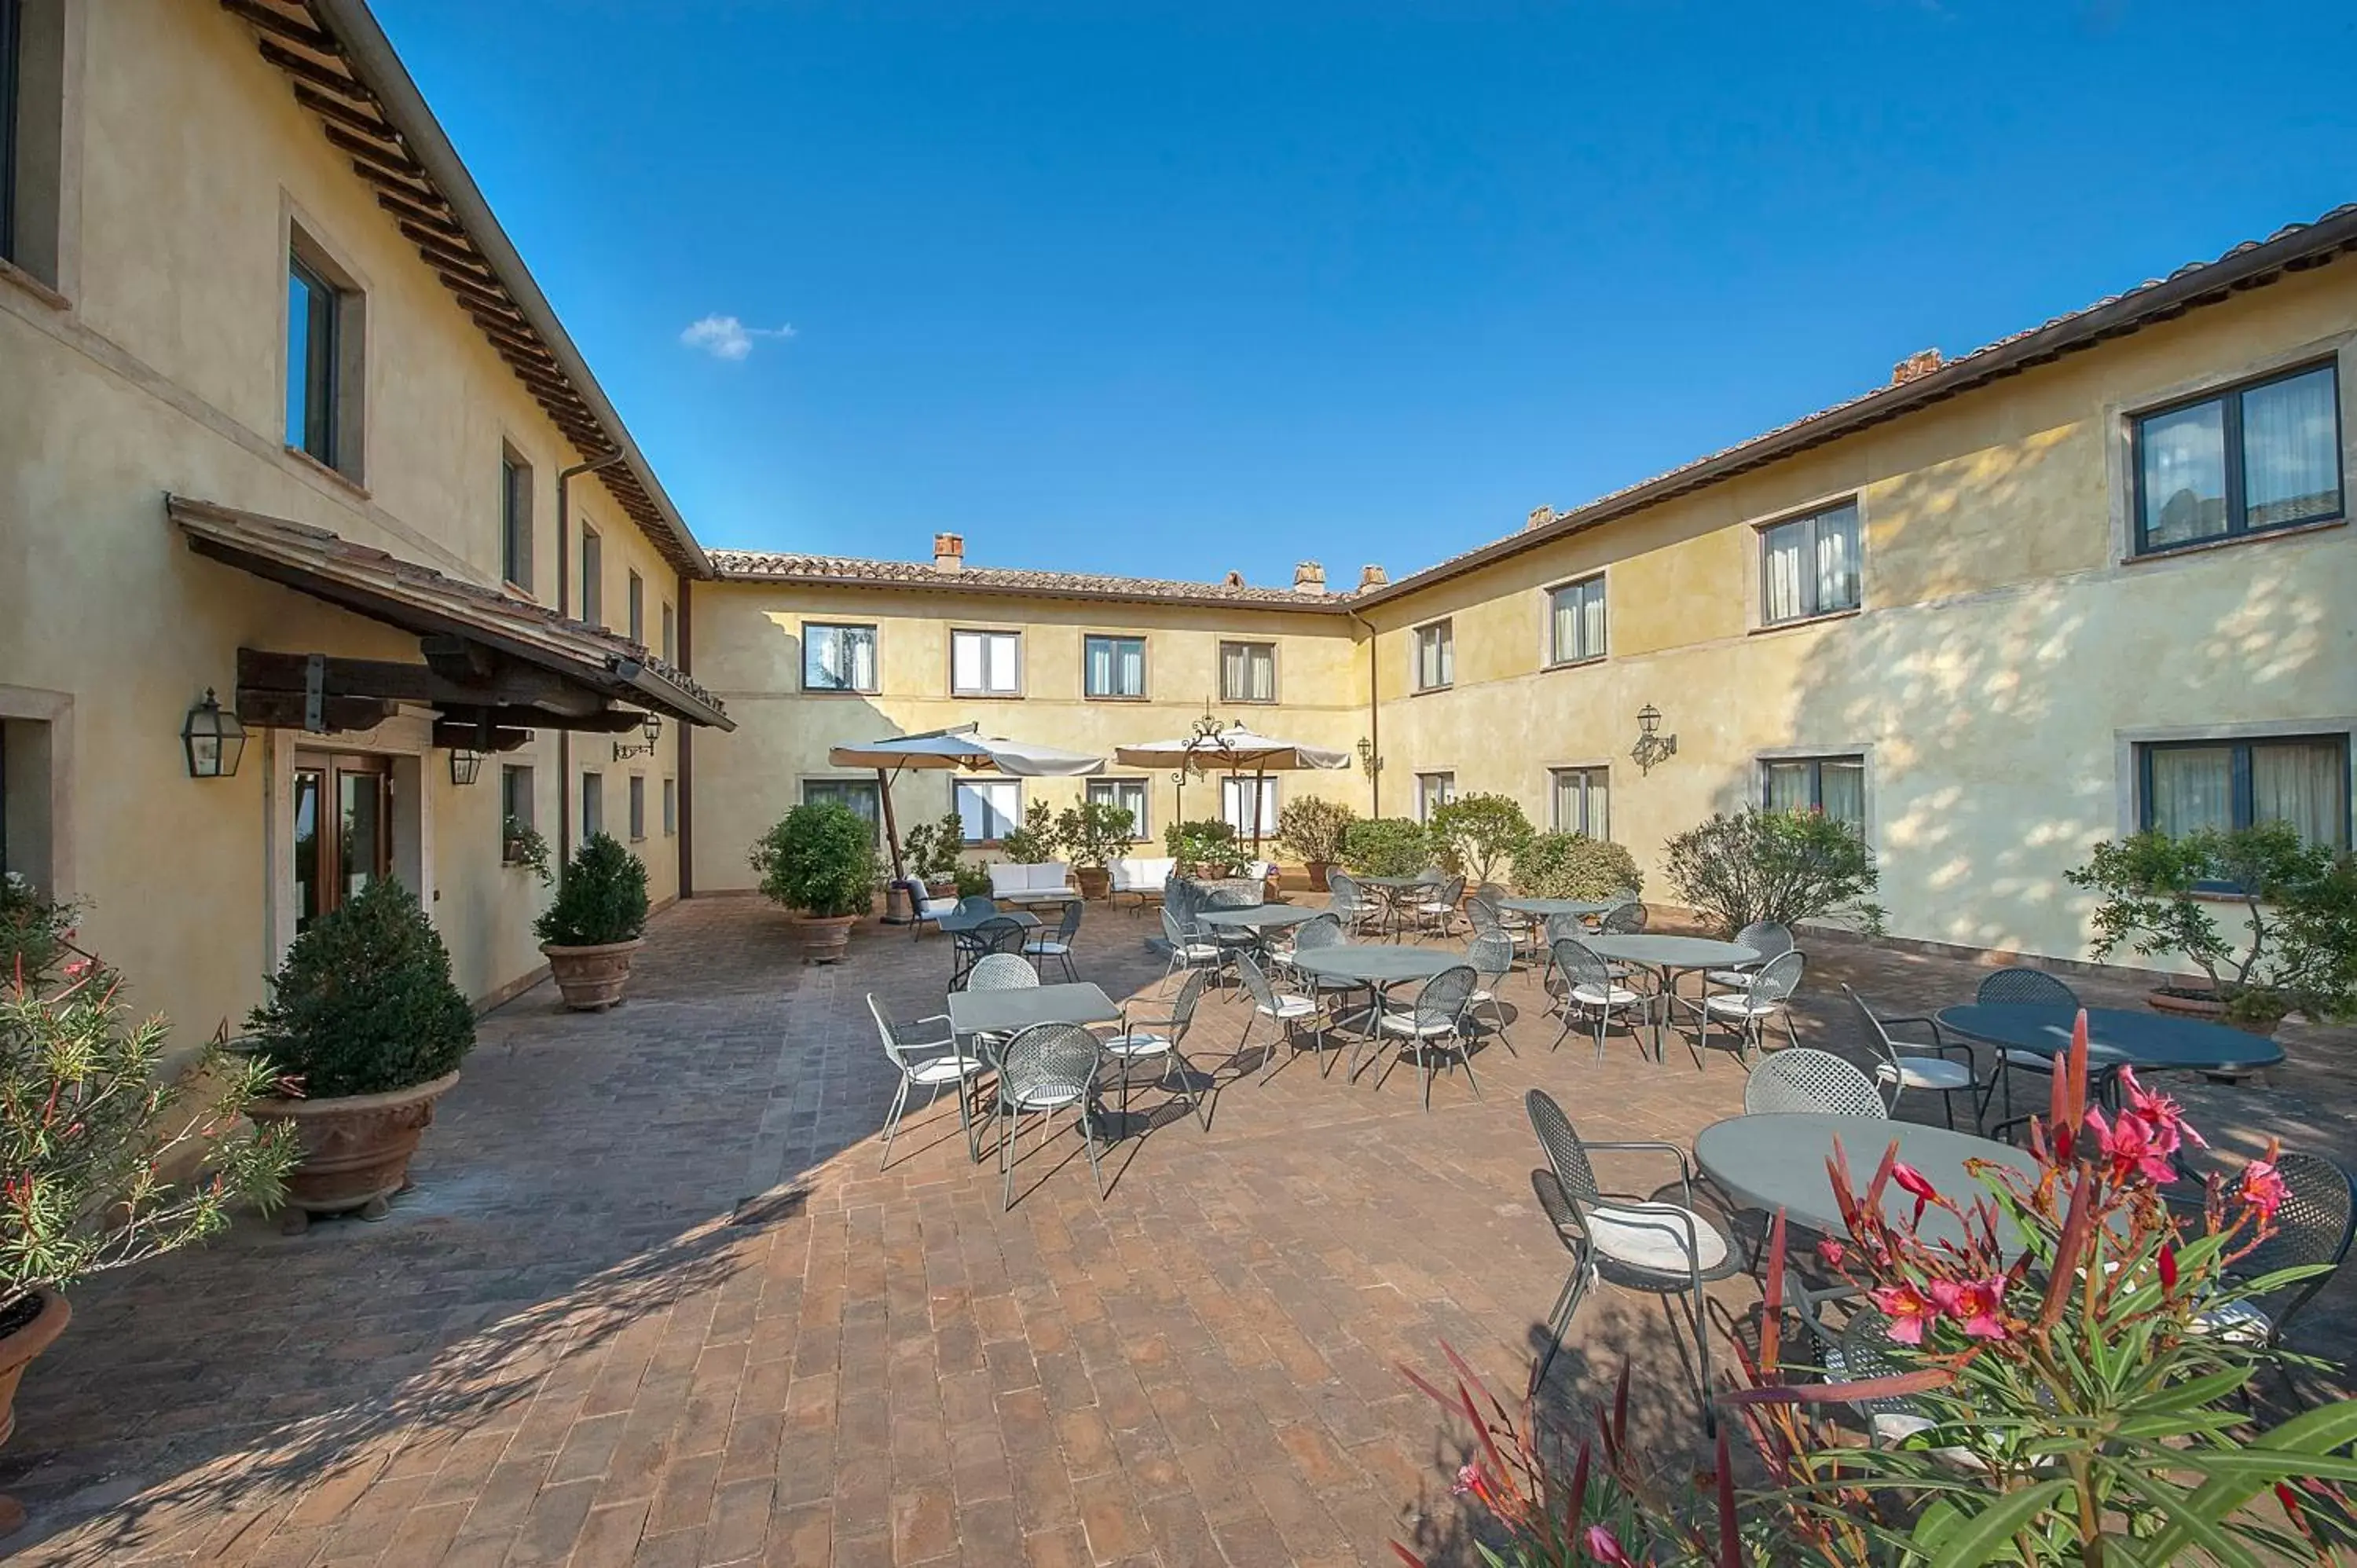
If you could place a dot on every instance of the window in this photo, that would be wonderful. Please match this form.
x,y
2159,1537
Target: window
x,y
987,809
1116,666
634,608
32,134
1581,796
314,325
982,663
1575,622
670,807
1433,789
2254,458
2185,786
1128,792
29,795
593,577
638,807
515,805
593,804
838,658
1436,656
1809,566
1248,671
515,518
858,794
669,649
11,71
1834,785
1251,817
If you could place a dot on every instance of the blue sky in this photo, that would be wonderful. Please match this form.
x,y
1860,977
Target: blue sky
x,y
1180,289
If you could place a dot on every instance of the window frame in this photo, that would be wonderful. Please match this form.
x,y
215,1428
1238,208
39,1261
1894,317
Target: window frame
x,y
1141,828
1812,516
2239,787
875,658
1145,673
515,776
12,97
1816,761
984,781
591,609
593,803
1555,660
2229,396
322,351
634,607
341,354
515,516
1555,777
1446,779
1445,633
837,783
1269,784
638,807
669,651
986,693
671,807
1275,691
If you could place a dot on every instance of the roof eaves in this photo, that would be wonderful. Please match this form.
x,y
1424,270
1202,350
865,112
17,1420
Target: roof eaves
x,y
755,566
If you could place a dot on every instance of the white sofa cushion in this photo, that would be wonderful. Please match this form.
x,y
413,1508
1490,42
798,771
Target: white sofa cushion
x,y
1007,878
1142,873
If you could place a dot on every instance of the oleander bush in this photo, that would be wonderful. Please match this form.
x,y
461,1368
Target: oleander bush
x,y
819,858
1573,865
1780,866
1386,846
1312,827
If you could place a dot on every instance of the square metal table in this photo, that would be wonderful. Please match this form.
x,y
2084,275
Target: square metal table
x,y
1005,1011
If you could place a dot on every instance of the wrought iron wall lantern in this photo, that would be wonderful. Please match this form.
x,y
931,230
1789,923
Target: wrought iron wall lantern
x,y
213,739
651,729
466,765
1367,761
1653,747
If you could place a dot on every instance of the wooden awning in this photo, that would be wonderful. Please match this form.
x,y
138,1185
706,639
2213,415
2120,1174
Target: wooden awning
x,y
491,660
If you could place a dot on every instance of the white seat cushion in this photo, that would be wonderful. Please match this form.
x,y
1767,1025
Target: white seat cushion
x,y
2030,1060
1480,996
1604,996
2236,1322
1651,1236
1405,1023
1438,908
1137,1043
1046,1098
1925,1072
1737,978
1742,1007
946,1070
1046,946
1198,953
1290,1006
935,908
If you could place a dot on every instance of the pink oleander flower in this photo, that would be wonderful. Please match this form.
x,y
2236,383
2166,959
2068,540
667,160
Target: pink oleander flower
x,y
77,968
2162,1114
1914,1181
2132,1146
1908,1309
2262,1187
1979,1307
2167,1269
1468,1480
1831,1252
1605,1547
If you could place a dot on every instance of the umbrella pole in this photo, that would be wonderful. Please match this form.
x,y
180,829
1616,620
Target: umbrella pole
x,y
891,831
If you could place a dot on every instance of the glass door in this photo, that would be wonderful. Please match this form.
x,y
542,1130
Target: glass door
x,y
343,830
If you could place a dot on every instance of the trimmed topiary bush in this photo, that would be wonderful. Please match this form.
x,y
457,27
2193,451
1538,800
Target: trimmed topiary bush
x,y
364,1002
1386,846
1573,865
601,897
1477,836
1780,866
819,859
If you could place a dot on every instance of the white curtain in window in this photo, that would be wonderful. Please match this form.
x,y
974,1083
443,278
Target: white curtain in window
x,y
1592,620
1841,790
987,808
1837,560
2305,785
840,659
1126,792
1600,821
1099,675
2192,788
1002,661
1783,546
1788,787
1117,666
2184,473
2291,467
965,662
1236,805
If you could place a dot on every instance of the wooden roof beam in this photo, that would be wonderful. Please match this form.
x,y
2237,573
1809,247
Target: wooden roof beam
x,y
418,213
284,25
399,162
308,69
336,109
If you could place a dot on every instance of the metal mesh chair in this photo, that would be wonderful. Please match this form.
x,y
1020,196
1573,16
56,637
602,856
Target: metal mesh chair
x,y
1060,945
1043,1069
1287,1008
1434,1026
2312,1225
1492,954
2017,986
1622,920
1766,938
1905,1064
1349,902
1808,1080
1583,984
1560,927
1661,1249
1483,912
1187,951
977,904
1852,1350
999,934
924,1061
1002,971
1143,1036
1436,911
1765,995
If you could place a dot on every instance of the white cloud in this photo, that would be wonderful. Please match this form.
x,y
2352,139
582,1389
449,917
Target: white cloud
x,y
726,337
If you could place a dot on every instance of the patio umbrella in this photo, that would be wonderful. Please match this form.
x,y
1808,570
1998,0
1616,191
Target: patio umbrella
x,y
962,748
1232,749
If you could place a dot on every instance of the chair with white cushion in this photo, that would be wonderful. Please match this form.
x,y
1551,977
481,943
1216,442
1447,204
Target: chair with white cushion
x,y
1144,1037
1660,1249
1433,1029
1187,949
1349,903
1583,985
1814,1083
1288,1009
1906,1065
925,1061
1766,938
1764,997
1043,1069
1058,946
1492,954
924,909
1436,908
2312,1225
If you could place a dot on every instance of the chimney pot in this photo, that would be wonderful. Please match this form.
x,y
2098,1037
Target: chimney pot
x,y
1232,580
1540,517
949,552
1915,366
1309,577
1372,577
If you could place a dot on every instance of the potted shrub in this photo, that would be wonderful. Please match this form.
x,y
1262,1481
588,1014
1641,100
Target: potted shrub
x,y
87,1128
971,881
1091,834
1312,828
522,846
1387,846
368,1031
930,853
591,931
1033,843
1207,852
1478,835
1573,865
1780,866
820,862
2297,904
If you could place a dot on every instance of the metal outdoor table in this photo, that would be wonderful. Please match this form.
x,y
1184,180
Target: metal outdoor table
x,y
1005,1011
1543,907
1260,918
2116,1037
953,923
1667,956
1774,1162
1378,967
1394,888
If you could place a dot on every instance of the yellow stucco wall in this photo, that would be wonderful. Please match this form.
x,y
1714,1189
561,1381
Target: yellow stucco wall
x,y
749,651
164,373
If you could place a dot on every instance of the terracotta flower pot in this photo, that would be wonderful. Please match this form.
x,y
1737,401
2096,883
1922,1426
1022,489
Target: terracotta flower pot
x,y
822,939
1318,870
592,979
1094,881
356,1147
2191,1002
16,1353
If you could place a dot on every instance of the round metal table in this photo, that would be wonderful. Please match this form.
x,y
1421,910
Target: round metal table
x,y
953,922
1543,907
1669,956
1776,1161
1394,890
1261,917
1378,967
2117,1036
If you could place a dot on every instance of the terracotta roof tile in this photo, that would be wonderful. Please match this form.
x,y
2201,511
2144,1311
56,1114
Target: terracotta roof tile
x,y
764,565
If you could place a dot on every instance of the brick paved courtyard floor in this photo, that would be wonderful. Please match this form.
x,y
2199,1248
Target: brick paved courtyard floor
x,y
652,1302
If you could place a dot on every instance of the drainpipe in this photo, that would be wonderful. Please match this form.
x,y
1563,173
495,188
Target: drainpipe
x,y
565,477
1374,722
684,846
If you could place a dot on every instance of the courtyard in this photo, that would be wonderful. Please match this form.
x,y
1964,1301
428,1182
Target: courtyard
x,y
651,1300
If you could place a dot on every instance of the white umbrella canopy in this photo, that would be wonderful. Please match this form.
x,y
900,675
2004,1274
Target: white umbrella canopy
x,y
1235,751
963,749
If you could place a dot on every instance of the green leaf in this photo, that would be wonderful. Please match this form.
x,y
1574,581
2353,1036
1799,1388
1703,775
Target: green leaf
x,y
2166,1498
2311,1434
2194,1392
1984,1535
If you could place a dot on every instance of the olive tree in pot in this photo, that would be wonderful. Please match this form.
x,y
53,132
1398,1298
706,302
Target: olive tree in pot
x,y
1479,835
591,932
1312,828
1092,834
930,853
368,1029
2297,904
820,862
1781,867
91,1131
